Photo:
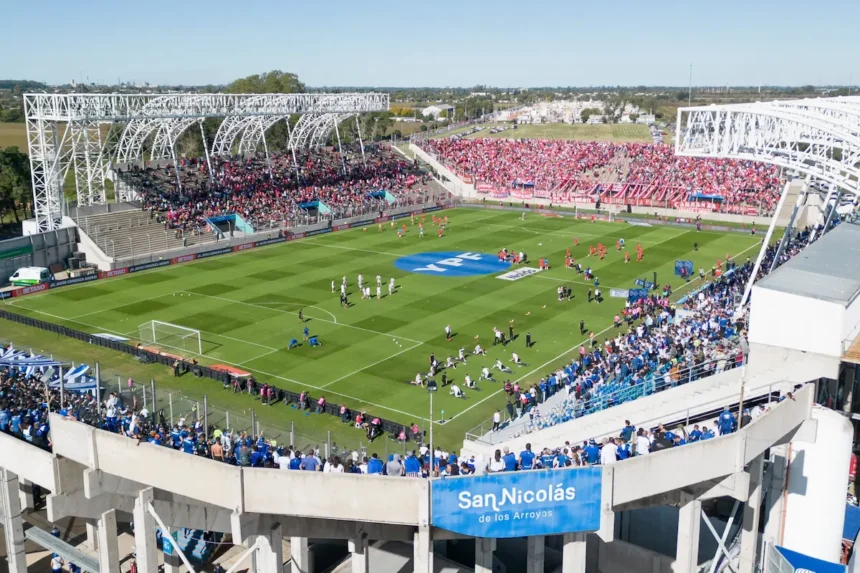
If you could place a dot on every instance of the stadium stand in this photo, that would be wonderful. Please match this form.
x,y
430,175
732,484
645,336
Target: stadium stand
x,y
616,173
276,195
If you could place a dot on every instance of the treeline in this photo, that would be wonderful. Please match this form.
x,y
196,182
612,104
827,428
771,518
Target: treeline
x,y
21,86
15,189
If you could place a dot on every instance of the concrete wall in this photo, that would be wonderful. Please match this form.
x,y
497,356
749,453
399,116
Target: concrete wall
x,y
770,323
50,248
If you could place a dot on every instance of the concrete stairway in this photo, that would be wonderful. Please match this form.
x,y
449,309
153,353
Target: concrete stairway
x,y
134,233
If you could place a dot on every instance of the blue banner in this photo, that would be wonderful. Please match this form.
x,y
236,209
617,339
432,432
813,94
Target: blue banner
x,y
647,285
684,265
635,294
518,504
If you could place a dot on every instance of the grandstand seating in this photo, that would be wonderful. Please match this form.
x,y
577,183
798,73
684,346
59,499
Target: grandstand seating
x,y
122,234
620,173
277,192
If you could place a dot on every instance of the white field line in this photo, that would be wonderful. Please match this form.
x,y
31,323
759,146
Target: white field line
x,y
362,369
563,354
311,386
333,317
523,377
234,301
118,306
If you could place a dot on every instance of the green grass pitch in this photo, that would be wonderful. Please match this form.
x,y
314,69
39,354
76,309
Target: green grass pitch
x,y
246,306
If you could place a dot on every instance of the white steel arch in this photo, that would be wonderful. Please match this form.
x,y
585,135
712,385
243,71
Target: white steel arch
x,y
819,138
65,130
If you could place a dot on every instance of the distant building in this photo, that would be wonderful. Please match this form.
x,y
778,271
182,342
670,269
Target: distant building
x,y
648,118
436,110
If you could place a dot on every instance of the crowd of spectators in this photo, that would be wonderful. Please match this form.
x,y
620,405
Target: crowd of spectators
x,y
271,196
657,345
504,163
651,168
655,350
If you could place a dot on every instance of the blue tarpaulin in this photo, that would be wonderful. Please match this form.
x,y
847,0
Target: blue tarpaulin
x,y
802,562
703,197
322,207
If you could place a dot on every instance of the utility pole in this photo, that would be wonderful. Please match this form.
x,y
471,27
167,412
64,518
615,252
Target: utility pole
x,y
690,87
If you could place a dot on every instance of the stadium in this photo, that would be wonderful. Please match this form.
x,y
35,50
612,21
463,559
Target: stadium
x,y
521,354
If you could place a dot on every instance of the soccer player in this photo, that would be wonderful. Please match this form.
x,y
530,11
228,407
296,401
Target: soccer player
x,y
343,290
468,382
420,231
301,316
450,363
485,374
516,358
523,216
293,344
448,332
626,257
306,333
378,280
391,286
360,280
332,285
379,226
367,292
461,356
440,232
399,234
378,292
479,350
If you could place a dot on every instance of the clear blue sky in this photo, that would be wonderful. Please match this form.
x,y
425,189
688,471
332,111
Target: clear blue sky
x,y
442,43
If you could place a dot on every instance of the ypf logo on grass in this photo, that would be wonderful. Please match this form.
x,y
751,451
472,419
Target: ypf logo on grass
x,y
452,264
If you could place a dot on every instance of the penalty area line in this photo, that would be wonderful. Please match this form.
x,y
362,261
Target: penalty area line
x,y
362,369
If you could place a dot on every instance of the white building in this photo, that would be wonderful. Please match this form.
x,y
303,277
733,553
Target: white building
x,y
436,110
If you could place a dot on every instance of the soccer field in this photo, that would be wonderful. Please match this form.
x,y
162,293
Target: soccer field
x,y
246,305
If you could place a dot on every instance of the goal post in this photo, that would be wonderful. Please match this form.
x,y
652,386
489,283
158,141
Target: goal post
x,y
170,335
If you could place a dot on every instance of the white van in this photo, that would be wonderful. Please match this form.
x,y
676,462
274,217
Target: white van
x,y
26,276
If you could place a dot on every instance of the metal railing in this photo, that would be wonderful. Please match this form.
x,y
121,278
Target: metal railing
x,y
584,407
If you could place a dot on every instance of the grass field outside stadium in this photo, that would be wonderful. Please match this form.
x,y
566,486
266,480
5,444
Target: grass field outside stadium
x,y
246,306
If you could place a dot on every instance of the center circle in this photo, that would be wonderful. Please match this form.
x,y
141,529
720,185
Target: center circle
x,y
452,264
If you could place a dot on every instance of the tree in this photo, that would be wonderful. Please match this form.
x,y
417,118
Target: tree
x,y
274,82
15,188
588,112
634,117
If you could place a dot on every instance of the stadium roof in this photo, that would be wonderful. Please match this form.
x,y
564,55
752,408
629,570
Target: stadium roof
x,y
826,270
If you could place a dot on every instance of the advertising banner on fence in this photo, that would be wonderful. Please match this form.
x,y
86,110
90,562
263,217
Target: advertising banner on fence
x,y
619,293
272,241
318,232
244,247
518,274
113,273
31,289
75,280
518,504
183,259
481,187
216,252
147,266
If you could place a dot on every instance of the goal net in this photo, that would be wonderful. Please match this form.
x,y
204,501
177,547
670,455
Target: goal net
x,y
170,335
